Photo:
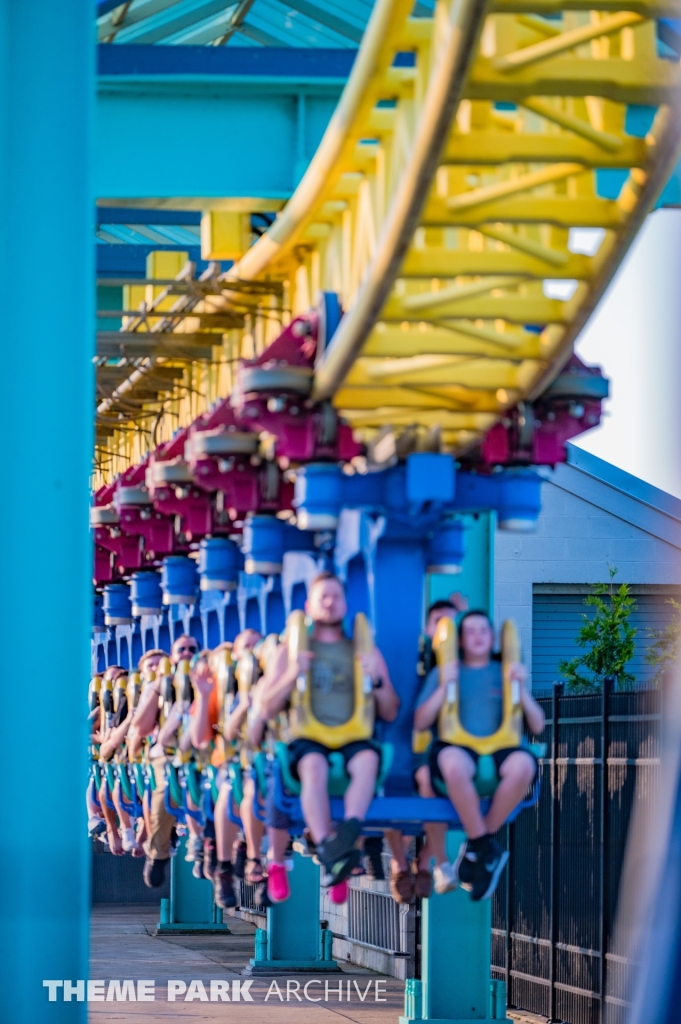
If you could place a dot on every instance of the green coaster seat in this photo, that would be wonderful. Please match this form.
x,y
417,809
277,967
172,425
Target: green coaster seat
x,y
339,780
486,778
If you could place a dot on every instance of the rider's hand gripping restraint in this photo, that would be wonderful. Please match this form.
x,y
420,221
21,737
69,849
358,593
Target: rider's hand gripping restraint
x,y
303,724
450,729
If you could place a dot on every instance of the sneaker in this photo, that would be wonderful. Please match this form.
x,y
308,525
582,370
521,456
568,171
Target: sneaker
x,y
260,895
155,872
96,826
444,878
239,857
332,874
127,839
210,859
194,848
402,887
465,866
278,888
339,893
339,845
492,863
223,887
423,883
305,846
373,851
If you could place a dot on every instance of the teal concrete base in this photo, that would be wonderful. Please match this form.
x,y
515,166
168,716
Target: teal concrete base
x,y
293,938
292,966
221,929
455,1020
456,985
191,907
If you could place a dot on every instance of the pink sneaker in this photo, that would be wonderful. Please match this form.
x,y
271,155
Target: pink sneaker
x,y
339,893
278,888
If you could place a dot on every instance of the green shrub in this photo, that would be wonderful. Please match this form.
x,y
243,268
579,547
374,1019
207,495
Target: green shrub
x,y
608,639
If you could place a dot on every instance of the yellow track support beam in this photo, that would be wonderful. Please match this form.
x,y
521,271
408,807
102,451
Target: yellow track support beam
x,y
449,202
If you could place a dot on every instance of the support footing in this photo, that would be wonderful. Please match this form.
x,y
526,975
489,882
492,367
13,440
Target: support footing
x,y
455,1020
292,967
200,929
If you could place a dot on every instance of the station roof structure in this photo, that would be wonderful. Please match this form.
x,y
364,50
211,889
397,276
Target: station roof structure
x,y
303,23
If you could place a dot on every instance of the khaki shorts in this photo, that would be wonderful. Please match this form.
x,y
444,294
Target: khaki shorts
x,y
161,822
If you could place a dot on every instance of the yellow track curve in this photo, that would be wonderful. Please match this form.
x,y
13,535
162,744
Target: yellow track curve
x,y
454,205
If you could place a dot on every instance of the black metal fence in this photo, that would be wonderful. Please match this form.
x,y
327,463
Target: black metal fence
x,y
554,909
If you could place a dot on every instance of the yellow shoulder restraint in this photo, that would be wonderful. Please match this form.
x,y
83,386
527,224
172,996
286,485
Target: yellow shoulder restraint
x,y
450,729
184,694
303,724
93,692
134,690
119,691
166,698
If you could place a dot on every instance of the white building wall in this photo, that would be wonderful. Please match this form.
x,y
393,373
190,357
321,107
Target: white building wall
x,y
575,542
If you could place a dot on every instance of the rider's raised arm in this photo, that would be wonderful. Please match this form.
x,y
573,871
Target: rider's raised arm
x,y
430,702
387,701
171,725
144,719
534,716
282,677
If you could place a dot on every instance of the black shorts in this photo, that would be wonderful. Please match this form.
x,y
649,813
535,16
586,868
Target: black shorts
x,y
299,748
498,755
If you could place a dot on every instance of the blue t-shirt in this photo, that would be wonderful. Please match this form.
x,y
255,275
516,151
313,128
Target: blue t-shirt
x,y
481,706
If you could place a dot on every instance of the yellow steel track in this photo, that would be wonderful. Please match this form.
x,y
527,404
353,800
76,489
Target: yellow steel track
x,y
454,206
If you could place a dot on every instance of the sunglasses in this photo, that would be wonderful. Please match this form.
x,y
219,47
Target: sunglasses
x,y
188,649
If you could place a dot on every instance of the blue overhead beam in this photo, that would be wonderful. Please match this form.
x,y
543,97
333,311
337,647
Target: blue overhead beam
x,y
209,123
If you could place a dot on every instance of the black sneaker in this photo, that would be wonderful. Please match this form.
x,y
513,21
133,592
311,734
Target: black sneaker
x,y
239,858
155,872
492,863
341,869
260,897
210,860
466,866
336,847
373,849
223,887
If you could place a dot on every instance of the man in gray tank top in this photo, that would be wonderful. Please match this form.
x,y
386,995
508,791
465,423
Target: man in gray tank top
x,y
330,662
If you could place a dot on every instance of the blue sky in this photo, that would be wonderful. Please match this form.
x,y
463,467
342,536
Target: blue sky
x,y
635,335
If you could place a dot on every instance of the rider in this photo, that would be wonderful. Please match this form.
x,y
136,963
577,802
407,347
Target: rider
x,y
144,724
330,662
479,677
204,723
406,884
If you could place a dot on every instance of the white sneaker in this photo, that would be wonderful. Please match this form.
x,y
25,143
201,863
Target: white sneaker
x,y
128,839
444,878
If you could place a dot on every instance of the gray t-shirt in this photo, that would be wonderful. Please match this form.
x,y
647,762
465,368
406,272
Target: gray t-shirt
x,y
481,707
332,694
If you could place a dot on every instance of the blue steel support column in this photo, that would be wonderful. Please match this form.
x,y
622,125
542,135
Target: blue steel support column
x,y
46,265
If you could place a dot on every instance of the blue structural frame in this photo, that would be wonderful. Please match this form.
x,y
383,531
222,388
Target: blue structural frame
x,y
46,108
150,97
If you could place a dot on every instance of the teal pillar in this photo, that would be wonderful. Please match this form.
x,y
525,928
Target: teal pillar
x,y
456,947
293,941
191,907
47,79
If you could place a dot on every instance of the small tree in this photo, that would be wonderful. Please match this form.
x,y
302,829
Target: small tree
x,y
609,639
667,644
